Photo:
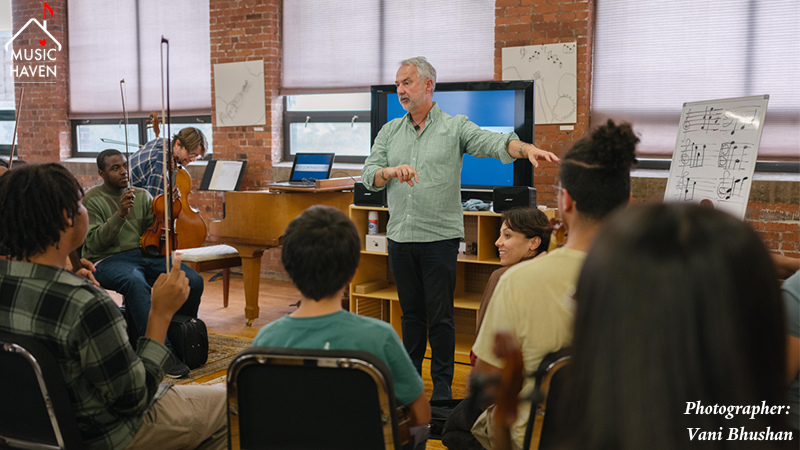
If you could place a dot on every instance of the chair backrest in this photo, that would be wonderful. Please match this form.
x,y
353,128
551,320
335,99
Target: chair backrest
x,y
310,399
541,429
35,410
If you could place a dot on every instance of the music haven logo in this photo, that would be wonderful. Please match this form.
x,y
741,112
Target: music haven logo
x,y
38,63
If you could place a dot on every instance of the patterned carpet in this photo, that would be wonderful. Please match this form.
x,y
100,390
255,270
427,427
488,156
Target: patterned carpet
x,y
221,351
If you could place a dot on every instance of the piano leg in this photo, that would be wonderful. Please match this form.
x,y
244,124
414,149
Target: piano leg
x,y
251,273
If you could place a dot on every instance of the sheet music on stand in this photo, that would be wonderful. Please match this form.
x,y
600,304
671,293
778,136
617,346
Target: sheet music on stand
x,y
222,175
715,152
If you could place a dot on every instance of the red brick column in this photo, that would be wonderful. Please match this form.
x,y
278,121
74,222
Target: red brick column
x,y
246,31
43,131
537,22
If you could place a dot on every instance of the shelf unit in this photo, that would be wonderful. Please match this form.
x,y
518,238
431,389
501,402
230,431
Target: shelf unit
x,y
472,273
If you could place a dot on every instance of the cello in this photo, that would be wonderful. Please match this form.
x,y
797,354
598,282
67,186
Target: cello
x,y
190,228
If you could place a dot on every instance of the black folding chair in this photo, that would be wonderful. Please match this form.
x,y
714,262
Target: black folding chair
x,y
310,399
35,410
540,432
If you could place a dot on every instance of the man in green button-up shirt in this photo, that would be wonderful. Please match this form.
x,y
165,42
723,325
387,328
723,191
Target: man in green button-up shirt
x,y
417,158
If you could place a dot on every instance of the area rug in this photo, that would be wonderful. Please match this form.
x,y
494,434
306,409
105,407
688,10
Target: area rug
x,y
221,351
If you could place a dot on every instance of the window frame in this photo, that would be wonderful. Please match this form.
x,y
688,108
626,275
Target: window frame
x,y
291,117
7,115
142,135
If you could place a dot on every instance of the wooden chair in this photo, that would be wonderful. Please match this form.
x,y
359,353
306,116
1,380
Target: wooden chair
x,y
540,432
35,410
300,399
215,257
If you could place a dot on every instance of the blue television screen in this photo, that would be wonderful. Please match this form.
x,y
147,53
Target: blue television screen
x,y
499,106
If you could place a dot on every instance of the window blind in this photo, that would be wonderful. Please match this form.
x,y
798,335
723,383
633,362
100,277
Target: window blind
x,y
351,44
105,47
650,57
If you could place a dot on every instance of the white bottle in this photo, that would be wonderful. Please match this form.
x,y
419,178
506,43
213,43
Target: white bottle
x,y
372,227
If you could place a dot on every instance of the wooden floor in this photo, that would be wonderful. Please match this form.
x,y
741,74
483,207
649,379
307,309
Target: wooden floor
x,y
275,300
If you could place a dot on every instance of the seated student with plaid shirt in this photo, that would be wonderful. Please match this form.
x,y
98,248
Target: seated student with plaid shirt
x,y
115,390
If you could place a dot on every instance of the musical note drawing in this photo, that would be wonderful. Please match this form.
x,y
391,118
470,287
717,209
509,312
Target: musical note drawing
x,y
687,189
715,152
728,189
47,7
692,155
739,119
732,155
706,120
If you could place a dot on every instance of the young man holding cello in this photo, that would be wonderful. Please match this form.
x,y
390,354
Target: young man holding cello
x,y
118,216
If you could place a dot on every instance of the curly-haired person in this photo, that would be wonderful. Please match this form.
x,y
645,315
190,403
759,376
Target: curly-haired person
x,y
532,300
115,390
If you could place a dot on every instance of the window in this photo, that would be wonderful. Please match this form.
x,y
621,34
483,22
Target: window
x,y
7,100
651,57
349,45
338,123
106,48
91,136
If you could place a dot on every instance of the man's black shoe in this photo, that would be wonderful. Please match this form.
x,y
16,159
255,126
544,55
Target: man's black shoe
x,y
178,369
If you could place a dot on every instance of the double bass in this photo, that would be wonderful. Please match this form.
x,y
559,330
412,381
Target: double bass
x,y
172,230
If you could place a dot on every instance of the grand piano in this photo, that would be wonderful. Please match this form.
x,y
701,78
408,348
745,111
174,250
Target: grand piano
x,y
255,221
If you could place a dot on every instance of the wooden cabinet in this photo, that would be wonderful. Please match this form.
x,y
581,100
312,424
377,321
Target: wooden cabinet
x,y
473,271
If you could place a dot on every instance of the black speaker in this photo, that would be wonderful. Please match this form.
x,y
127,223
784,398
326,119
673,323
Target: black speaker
x,y
504,198
364,197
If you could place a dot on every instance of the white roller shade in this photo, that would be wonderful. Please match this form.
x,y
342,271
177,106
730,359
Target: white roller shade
x,y
352,44
105,47
651,56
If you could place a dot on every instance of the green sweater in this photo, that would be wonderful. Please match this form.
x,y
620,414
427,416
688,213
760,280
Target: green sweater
x,y
109,233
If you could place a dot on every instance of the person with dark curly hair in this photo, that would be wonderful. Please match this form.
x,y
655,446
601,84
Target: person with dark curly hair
x,y
532,298
679,326
117,399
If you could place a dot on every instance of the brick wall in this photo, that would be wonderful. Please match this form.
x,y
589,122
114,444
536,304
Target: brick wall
x,y
43,133
536,22
773,209
244,30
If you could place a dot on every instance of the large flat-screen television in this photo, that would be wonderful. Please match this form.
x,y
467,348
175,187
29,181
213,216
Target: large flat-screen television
x,y
502,106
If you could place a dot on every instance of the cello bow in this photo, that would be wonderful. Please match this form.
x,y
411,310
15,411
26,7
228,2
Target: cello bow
x,y
167,157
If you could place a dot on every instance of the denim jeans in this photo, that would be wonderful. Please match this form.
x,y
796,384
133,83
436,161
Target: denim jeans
x,y
425,274
132,274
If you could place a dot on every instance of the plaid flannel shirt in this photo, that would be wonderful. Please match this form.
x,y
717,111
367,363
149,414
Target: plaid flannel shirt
x,y
110,385
147,167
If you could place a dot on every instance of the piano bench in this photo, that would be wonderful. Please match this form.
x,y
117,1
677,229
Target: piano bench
x,y
215,257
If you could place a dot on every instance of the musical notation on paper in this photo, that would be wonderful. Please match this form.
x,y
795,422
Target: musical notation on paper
x,y
715,152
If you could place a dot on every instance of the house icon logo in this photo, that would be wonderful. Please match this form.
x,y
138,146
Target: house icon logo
x,y
37,63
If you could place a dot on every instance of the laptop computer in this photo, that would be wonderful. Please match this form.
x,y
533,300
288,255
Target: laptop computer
x,y
307,168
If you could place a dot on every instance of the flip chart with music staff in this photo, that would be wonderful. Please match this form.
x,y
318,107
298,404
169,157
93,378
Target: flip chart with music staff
x,y
715,153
